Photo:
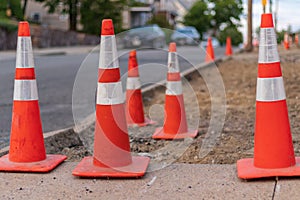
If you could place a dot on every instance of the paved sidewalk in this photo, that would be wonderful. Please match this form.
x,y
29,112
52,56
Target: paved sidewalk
x,y
287,188
178,181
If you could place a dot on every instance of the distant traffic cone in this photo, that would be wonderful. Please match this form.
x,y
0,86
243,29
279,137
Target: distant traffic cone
x,y
175,126
134,102
210,55
286,41
228,47
112,156
27,151
273,147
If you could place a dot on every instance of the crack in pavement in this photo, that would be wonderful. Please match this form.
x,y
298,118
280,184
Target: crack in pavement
x,y
275,188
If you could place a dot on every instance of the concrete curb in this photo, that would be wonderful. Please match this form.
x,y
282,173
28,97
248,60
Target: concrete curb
x,y
70,137
11,55
8,55
57,53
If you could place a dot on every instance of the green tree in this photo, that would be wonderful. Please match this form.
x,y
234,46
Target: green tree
x,y
3,5
214,14
198,16
231,31
14,5
68,6
225,13
93,12
280,36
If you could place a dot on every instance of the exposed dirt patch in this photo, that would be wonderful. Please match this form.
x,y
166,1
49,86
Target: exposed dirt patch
x,y
235,141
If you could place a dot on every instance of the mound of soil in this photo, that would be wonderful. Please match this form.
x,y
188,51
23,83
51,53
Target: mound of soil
x,y
235,139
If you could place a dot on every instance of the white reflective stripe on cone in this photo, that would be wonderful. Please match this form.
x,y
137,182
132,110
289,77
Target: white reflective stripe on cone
x,y
173,65
110,93
133,83
174,88
24,56
268,52
108,53
25,90
270,89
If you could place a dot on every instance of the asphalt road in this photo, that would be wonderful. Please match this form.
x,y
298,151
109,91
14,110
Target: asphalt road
x,y
63,77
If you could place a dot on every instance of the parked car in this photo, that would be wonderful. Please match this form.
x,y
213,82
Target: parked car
x,y
147,36
214,41
187,35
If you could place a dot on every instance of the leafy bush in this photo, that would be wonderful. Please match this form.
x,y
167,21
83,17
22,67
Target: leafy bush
x,y
211,15
134,3
233,32
280,36
15,6
93,12
8,25
199,17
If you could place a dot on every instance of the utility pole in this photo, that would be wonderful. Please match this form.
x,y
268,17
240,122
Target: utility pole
x,y
249,46
24,9
276,14
270,8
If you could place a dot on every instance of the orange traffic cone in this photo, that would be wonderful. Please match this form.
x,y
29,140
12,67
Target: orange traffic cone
x,y
175,126
273,147
112,156
228,47
210,55
134,102
27,151
286,41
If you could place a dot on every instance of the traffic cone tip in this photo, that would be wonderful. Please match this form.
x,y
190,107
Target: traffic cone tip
x,y
132,53
172,47
210,55
23,29
107,27
228,51
266,21
132,64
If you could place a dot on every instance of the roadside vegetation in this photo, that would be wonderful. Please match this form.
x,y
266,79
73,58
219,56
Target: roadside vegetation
x,y
218,18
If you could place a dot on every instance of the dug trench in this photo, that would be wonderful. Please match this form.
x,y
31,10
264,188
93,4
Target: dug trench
x,y
235,138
